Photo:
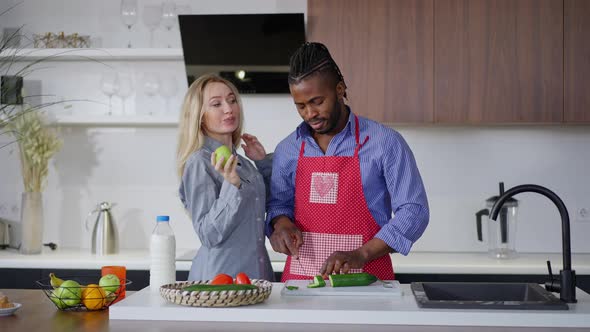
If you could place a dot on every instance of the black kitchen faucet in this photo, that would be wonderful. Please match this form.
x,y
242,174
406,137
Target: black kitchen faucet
x,y
567,277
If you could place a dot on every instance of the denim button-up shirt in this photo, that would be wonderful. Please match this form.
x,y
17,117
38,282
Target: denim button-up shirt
x,y
229,221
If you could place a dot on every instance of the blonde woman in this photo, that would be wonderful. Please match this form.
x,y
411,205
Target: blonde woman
x,y
226,203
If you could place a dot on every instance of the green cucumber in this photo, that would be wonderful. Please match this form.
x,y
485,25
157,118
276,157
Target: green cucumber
x,y
292,287
352,279
219,288
318,281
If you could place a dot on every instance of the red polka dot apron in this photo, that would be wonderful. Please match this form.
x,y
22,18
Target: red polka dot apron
x,y
332,213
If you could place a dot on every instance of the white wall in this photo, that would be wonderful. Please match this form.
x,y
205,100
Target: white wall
x,y
134,167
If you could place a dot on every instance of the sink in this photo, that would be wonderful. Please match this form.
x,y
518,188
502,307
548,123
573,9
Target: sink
x,y
485,295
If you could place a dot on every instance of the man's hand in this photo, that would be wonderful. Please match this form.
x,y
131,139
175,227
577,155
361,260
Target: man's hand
x,y
286,238
253,148
343,261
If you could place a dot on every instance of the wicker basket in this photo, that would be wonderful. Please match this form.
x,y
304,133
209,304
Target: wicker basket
x,y
173,293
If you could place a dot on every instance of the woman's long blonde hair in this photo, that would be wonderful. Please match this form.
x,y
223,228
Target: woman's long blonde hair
x,y
191,135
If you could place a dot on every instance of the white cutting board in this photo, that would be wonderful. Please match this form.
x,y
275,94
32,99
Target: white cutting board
x,y
374,289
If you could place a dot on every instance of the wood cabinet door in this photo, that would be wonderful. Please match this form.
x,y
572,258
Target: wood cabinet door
x,y
385,52
577,60
498,61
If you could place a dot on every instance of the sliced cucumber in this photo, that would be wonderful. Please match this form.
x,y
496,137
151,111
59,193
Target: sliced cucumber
x,y
318,281
352,279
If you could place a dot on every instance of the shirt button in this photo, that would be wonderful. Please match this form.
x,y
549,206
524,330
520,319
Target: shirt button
x,y
257,198
258,219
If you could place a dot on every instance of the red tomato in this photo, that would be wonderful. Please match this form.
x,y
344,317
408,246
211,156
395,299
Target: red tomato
x,y
222,279
242,278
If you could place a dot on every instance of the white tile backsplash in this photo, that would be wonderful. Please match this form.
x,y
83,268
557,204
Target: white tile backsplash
x,y
134,166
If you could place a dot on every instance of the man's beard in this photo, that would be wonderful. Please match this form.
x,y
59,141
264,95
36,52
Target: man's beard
x,y
334,119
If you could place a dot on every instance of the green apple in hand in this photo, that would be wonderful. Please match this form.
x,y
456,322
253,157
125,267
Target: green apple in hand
x,y
109,282
222,151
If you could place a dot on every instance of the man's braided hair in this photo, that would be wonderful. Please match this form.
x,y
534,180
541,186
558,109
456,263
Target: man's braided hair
x,y
311,59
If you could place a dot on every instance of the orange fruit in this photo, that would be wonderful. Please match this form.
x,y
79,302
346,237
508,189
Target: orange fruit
x,y
94,297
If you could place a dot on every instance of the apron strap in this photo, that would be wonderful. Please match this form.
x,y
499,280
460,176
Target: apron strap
x,y
302,149
356,136
356,129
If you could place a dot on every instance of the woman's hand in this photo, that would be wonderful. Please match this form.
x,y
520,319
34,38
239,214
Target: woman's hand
x,y
253,148
229,172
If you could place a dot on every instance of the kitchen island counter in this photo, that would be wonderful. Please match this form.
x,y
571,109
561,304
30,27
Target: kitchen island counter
x,y
293,314
356,310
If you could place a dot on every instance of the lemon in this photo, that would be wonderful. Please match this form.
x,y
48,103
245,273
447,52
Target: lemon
x,y
94,297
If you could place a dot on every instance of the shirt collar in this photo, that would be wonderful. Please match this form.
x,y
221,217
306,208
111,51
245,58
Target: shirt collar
x,y
212,144
304,130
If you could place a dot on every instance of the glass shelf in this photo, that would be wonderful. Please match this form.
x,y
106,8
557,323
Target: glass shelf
x,y
106,120
100,55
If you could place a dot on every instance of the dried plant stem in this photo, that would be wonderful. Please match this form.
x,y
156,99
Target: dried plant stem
x,y
37,144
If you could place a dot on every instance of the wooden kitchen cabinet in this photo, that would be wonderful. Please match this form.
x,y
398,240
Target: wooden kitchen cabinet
x,y
385,52
577,60
456,61
499,61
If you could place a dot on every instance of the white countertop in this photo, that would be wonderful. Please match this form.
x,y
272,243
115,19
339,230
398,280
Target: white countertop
x,y
76,258
397,310
417,262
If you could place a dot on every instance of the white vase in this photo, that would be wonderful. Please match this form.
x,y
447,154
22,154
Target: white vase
x,y
31,219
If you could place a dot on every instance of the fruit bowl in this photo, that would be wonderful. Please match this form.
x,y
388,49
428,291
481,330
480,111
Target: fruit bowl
x,y
175,293
81,293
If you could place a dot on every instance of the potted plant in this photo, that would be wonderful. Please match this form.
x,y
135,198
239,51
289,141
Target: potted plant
x,y
37,142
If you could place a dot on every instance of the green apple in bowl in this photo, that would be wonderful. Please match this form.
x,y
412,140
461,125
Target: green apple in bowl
x,y
69,294
109,282
55,297
222,151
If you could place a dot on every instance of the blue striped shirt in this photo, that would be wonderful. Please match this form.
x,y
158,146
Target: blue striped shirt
x,y
391,180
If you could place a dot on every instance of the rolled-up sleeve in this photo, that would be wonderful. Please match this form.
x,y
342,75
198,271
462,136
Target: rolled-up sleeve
x,y
408,198
213,214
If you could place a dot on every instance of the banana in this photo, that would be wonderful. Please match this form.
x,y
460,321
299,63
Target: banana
x,y
55,281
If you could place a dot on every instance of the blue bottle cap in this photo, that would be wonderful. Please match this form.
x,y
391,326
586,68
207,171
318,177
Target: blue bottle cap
x,y
162,218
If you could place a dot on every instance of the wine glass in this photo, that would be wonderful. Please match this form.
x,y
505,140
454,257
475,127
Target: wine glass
x,y
151,85
168,89
125,84
151,18
108,86
169,16
129,15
